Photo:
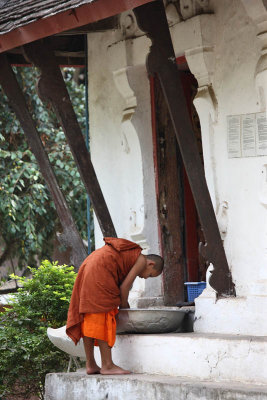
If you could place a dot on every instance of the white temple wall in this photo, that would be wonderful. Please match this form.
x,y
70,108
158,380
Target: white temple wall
x,y
238,182
238,179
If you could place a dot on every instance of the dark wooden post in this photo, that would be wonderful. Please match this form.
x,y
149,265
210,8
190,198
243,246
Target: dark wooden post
x,y
161,61
52,88
70,235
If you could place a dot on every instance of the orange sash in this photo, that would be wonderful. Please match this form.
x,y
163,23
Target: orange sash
x,y
100,326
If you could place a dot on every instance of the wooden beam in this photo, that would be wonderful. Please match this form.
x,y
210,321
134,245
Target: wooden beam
x,y
161,61
99,26
70,235
52,88
18,60
69,51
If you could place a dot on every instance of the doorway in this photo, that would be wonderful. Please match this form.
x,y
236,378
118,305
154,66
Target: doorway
x,y
179,227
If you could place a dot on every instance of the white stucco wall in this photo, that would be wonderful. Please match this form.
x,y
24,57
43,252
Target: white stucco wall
x,y
238,179
237,182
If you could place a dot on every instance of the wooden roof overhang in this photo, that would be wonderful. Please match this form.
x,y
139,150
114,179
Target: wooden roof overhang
x,y
161,61
77,14
66,21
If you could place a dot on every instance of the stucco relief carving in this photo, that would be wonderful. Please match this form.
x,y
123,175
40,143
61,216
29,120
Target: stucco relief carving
x,y
190,8
130,144
176,11
172,13
201,63
256,10
128,25
122,84
222,218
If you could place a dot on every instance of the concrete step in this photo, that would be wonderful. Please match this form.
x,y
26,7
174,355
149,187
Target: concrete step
x,y
210,357
77,386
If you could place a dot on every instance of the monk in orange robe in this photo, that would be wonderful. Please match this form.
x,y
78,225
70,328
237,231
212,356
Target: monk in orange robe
x,y
102,285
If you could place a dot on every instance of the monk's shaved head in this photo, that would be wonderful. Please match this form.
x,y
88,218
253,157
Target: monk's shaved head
x,y
158,260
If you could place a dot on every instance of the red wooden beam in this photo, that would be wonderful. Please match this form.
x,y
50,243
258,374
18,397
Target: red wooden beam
x,y
70,19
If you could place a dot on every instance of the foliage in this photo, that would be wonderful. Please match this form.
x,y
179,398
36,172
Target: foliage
x,y
27,213
27,355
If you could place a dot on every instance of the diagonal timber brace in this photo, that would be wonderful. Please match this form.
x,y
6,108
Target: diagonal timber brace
x,y
52,88
161,61
70,235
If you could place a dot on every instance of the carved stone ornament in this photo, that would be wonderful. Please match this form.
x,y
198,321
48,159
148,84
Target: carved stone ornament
x,y
201,63
121,81
222,218
172,13
191,8
127,132
176,11
129,25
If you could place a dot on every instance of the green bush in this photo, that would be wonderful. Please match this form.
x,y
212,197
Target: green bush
x,y
27,354
28,216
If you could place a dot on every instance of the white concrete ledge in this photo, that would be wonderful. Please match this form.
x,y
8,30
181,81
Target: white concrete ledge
x,y
206,356
212,357
76,386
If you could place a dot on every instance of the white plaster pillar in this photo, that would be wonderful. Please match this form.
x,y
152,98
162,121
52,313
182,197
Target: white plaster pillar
x,y
130,77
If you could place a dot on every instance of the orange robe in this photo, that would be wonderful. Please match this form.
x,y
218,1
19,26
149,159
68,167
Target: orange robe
x,y
97,286
101,326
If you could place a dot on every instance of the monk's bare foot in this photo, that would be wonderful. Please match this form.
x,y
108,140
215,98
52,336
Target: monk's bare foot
x,y
92,369
114,370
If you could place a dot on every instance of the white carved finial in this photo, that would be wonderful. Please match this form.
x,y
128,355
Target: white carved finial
x,y
209,291
222,218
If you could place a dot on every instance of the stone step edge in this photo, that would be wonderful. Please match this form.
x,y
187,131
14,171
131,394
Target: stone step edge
x,y
168,380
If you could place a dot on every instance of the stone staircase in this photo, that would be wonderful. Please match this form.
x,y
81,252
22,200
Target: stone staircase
x,y
180,366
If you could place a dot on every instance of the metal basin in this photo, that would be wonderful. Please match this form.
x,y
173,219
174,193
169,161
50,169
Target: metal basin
x,y
152,320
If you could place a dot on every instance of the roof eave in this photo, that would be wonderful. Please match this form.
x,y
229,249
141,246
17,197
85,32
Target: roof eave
x,y
66,20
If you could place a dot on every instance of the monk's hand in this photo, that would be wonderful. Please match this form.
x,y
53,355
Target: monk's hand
x,y
126,285
125,305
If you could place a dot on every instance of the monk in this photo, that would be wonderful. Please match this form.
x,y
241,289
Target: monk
x,y
102,285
